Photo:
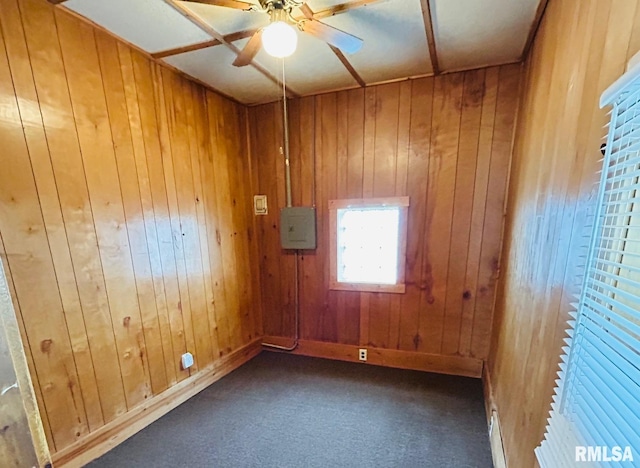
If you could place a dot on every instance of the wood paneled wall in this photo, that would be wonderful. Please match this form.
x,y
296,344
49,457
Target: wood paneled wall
x,y
446,143
124,219
580,49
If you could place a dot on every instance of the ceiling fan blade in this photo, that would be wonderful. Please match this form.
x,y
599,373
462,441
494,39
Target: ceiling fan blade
x,y
237,4
250,50
344,41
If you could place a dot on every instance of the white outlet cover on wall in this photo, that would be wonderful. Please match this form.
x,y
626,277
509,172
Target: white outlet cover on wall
x,y
187,360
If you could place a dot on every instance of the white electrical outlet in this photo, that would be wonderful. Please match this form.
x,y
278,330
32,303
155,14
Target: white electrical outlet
x,y
187,360
362,354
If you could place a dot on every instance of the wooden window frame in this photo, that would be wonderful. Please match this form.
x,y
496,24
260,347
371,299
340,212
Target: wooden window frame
x,y
402,203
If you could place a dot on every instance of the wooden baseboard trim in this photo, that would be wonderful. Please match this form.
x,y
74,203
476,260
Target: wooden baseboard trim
x,y
493,421
117,431
453,365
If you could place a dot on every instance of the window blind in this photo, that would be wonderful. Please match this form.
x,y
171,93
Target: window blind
x,y
595,414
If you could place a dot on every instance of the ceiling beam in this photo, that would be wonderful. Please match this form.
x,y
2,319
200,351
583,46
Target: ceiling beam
x,y
204,45
309,14
187,48
236,4
216,35
431,40
542,7
348,65
236,36
342,8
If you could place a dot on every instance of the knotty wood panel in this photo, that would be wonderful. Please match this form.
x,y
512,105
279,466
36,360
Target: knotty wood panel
x,y
446,143
580,49
124,219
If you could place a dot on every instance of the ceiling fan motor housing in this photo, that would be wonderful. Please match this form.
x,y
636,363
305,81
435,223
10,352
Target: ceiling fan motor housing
x,y
279,10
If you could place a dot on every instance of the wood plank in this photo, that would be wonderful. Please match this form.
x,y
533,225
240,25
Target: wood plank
x,y
190,202
35,138
352,71
258,309
384,175
213,233
29,259
62,140
480,191
317,265
127,172
347,306
473,94
533,29
96,127
305,131
402,162
94,136
341,8
328,155
177,296
284,282
248,247
494,211
445,136
238,208
136,76
265,133
418,166
185,49
452,365
225,228
578,51
178,200
367,192
353,189
149,92
201,152
427,18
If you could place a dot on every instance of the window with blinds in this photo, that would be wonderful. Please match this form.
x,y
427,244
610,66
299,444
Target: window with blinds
x,y
595,415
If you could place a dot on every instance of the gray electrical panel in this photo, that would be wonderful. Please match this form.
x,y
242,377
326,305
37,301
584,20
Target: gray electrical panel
x,y
298,227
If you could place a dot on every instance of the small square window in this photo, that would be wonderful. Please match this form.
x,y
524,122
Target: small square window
x,y
368,244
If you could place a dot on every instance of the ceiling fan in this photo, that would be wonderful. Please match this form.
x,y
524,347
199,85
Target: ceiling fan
x,y
281,11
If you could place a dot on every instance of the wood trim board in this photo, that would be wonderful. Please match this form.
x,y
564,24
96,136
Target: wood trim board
x,y
120,429
431,41
493,421
535,25
451,365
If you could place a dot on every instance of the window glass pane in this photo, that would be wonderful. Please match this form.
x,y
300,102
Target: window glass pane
x,y
368,245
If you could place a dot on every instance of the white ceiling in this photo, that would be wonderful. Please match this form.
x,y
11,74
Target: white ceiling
x,y
468,34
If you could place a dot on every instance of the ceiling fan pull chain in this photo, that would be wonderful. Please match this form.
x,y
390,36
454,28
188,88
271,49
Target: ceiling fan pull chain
x,y
285,119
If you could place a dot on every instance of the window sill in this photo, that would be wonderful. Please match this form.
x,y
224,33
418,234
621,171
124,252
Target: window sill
x,y
365,287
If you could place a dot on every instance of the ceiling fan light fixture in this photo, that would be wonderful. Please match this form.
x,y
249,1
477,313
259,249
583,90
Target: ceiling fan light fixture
x,y
279,39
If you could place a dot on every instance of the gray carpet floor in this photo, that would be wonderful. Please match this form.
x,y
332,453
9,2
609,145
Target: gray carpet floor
x,y
283,410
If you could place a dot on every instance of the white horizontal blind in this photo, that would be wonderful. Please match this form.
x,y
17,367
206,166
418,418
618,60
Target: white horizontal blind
x,y
597,401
